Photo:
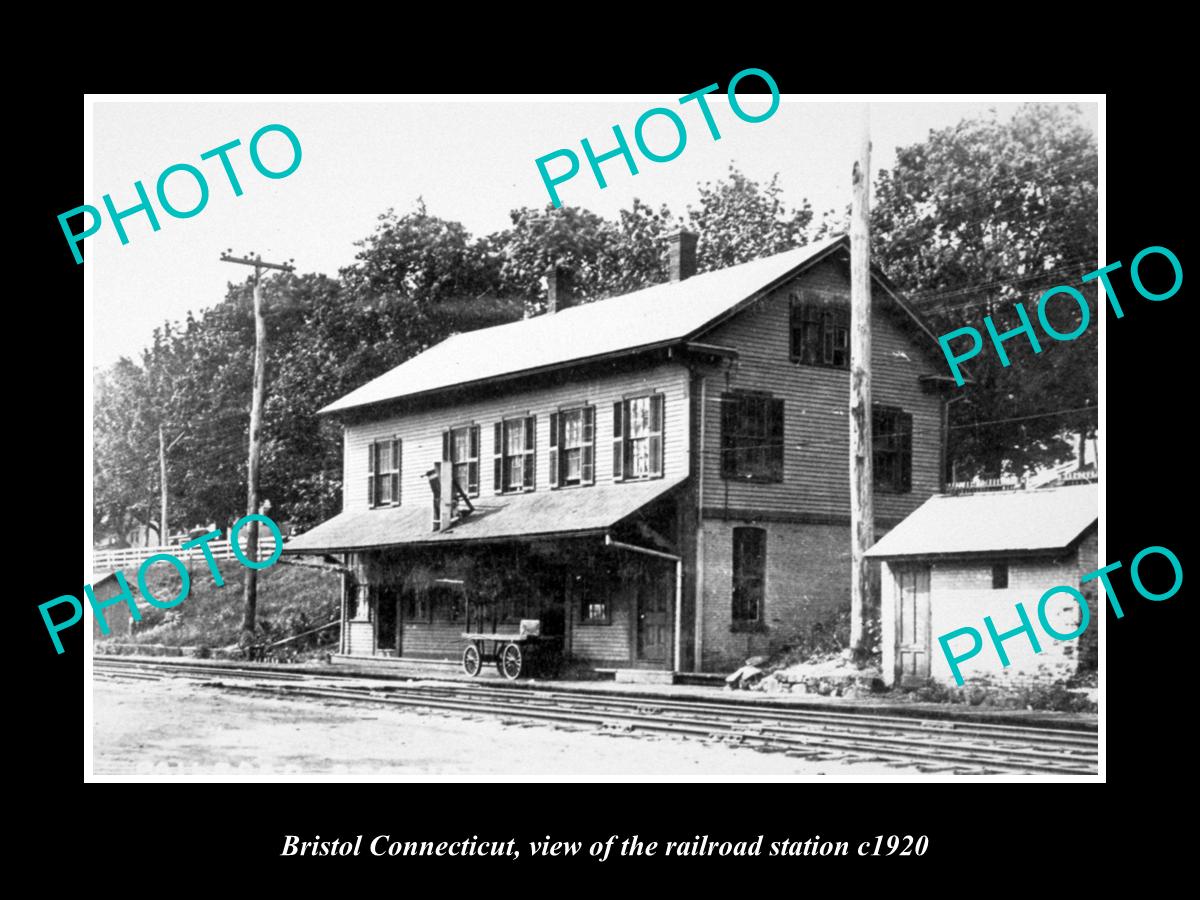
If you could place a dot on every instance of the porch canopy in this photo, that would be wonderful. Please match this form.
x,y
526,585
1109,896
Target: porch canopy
x,y
570,512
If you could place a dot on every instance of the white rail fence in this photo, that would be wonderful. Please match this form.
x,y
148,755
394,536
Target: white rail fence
x,y
111,560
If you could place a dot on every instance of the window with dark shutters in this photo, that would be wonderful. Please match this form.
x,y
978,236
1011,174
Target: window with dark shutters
x,y
638,432
820,331
515,458
383,473
891,438
751,437
749,574
572,446
461,447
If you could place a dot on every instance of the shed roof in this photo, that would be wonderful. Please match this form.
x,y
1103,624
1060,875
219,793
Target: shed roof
x,y
655,316
563,513
1011,521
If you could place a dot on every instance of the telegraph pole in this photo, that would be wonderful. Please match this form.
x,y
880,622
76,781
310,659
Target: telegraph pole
x,y
250,594
862,506
164,533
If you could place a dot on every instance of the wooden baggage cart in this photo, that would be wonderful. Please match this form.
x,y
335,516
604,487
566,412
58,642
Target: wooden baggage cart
x,y
513,654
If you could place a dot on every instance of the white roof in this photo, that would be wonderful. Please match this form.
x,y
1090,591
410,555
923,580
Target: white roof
x,y
1008,521
653,316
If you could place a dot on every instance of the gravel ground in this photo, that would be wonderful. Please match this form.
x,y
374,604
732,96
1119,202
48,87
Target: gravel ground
x,y
167,729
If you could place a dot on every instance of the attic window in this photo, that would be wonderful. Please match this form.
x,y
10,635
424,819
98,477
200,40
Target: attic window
x,y
820,332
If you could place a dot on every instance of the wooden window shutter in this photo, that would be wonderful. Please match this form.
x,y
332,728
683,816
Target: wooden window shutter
x,y
657,410
370,475
906,451
446,445
587,455
554,441
498,458
396,445
794,321
473,463
529,476
618,449
775,430
730,412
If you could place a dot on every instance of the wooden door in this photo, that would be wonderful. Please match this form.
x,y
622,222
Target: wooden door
x,y
912,623
655,588
387,630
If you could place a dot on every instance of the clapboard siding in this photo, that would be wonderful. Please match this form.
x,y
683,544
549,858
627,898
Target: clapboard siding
x,y
606,643
816,402
421,431
439,640
360,638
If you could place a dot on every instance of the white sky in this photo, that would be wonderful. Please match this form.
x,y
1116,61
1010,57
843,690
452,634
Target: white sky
x,y
472,161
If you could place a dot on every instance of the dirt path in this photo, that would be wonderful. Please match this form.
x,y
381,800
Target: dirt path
x,y
174,729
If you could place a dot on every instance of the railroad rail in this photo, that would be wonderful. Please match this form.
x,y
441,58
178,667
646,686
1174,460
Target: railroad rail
x,y
930,745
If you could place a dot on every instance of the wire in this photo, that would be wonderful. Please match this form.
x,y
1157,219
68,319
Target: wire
x,y
1057,412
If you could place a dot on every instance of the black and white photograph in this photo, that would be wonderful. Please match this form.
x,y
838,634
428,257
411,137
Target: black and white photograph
x,y
732,434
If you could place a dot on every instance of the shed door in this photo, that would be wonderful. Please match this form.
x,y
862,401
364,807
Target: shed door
x,y
912,623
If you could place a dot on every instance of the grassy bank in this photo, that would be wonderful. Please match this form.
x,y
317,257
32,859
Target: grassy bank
x,y
291,600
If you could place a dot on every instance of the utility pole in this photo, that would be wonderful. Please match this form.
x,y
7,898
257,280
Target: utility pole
x,y
862,506
250,595
164,533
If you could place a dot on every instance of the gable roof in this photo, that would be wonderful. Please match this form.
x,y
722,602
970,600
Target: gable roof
x,y
1009,521
652,317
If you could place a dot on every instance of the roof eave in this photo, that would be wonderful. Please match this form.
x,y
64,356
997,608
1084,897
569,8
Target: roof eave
x,y
507,376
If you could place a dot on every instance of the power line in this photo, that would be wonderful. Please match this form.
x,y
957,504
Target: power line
x,y
1057,412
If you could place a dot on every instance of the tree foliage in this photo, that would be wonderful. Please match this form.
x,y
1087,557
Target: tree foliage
x,y
974,218
969,222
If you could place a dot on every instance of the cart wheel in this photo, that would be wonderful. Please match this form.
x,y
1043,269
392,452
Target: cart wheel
x,y
509,662
471,660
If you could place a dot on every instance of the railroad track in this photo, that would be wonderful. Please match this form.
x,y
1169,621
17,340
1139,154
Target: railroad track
x,y
931,745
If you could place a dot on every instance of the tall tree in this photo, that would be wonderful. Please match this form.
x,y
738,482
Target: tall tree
x,y
739,219
974,219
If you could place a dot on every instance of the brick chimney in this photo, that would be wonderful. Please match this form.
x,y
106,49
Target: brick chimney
x,y
558,289
682,245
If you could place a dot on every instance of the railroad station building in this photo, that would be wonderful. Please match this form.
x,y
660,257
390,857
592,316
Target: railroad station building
x,y
660,478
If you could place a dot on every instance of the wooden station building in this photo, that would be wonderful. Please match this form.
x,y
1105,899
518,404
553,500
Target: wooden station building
x,y
662,478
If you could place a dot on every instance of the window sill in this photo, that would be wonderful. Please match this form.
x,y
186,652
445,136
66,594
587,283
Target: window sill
x,y
593,623
797,362
752,479
748,627
384,506
637,478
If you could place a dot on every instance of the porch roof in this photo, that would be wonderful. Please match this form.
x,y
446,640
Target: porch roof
x,y
567,512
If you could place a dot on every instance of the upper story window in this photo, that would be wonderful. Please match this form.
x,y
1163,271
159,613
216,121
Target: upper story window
x,y
638,438
749,574
573,446
891,437
514,454
383,473
461,447
820,332
751,437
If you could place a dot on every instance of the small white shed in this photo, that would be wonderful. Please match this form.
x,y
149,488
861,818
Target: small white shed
x,y
957,559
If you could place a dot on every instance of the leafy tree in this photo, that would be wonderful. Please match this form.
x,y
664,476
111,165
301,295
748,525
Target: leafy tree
x,y
974,219
126,437
739,220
